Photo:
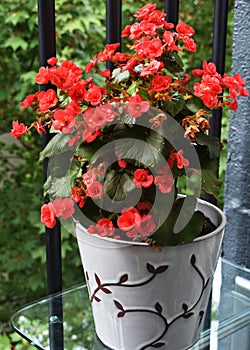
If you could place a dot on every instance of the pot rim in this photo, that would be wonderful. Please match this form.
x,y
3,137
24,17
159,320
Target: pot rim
x,y
222,218
200,202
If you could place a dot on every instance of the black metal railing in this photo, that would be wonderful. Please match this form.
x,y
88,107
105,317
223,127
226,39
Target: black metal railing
x,y
171,8
47,48
219,54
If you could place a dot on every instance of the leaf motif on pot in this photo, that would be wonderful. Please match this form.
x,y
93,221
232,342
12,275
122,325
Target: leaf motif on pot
x,y
161,269
118,305
87,275
193,259
123,279
189,314
158,345
185,307
150,268
187,310
158,308
106,290
97,299
97,280
201,314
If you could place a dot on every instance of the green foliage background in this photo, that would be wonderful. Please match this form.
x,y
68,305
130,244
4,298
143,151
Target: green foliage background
x,y
80,33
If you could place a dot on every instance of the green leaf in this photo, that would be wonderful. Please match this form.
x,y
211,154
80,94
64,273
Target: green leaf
x,y
212,143
58,187
17,17
132,90
60,164
155,139
73,26
210,181
166,235
174,63
63,173
69,225
144,147
140,152
58,144
89,151
194,104
28,76
209,161
5,342
117,185
16,43
75,171
175,105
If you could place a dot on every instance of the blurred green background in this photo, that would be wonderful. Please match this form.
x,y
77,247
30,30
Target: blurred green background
x,y
80,33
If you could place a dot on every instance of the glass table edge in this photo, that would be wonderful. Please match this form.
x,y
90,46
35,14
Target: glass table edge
x,y
41,300
204,335
84,285
235,265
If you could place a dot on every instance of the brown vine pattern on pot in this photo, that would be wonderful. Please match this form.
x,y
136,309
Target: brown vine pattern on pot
x,y
122,281
187,311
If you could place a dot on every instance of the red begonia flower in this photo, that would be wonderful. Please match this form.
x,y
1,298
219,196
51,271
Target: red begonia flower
x,y
77,92
164,182
152,68
136,106
63,207
46,100
161,82
18,129
95,190
48,216
105,228
142,178
145,11
147,225
181,162
52,61
43,76
129,219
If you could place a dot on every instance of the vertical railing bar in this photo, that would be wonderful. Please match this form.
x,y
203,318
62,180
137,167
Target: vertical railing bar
x,y
171,8
47,49
219,54
113,23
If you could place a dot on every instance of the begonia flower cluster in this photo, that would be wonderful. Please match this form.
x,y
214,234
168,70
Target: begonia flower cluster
x,y
149,74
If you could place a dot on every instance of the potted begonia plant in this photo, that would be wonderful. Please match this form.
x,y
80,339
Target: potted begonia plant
x,y
120,150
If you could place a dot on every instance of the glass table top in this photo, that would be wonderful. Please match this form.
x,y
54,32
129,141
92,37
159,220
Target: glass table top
x,y
64,321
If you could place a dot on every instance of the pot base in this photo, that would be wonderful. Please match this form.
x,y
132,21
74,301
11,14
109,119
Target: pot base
x,y
144,299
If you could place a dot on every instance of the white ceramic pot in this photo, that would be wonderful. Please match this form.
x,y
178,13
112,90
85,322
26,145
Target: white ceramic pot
x,y
143,299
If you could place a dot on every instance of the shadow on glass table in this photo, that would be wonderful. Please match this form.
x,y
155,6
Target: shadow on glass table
x,y
64,321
